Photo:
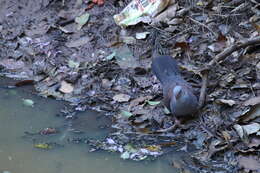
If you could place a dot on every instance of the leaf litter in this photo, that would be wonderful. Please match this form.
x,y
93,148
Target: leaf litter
x,y
89,63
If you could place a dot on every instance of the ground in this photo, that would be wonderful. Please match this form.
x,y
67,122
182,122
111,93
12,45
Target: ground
x,y
74,51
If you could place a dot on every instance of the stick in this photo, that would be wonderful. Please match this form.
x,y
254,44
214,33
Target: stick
x,y
205,26
221,56
229,50
203,90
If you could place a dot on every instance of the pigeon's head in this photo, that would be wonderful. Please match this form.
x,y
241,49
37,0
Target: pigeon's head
x,y
183,101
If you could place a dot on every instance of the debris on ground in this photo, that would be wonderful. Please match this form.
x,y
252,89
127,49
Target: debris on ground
x,y
79,54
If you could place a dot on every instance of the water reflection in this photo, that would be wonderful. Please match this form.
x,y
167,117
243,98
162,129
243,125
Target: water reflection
x,y
17,153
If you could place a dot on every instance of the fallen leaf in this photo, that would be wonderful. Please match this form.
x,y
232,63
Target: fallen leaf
x,y
130,148
80,42
129,40
126,114
226,135
153,103
125,58
139,100
66,87
224,101
245,130
227,79
166,15
249,163
141,35
43,146
28,102
200,3
121,98
252,101
251,128
166,111
252,114
219,45
125,155
111,56
73,64
48,131
11,64
255,142
153,148
82,20
65,30
239,130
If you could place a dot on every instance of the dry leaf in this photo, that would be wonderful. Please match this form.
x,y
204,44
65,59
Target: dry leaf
x,y
251,128
227,102
252,101
249,163
121,98
139,100
66,87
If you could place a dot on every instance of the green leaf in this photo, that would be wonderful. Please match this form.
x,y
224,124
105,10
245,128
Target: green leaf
x,y
166,111
153,103
73,64
111,56
82,20
126,114
43,146
28,102
125,155
130,148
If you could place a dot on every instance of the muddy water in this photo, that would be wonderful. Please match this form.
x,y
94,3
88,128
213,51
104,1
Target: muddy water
x,y
17,153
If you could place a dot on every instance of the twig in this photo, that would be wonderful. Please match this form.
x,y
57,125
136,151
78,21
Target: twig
x,y
228,51
203,89
180,33
169,129
205,26
221,56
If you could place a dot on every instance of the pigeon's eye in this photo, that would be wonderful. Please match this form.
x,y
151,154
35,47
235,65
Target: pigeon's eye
x,y
177,91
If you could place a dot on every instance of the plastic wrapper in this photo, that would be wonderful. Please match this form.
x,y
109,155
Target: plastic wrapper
x,y
140,11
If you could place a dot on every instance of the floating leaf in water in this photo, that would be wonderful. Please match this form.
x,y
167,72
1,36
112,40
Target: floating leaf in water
x,y
12,92
153,103
6,172
48,131
125,155
43,146
28,102
82,20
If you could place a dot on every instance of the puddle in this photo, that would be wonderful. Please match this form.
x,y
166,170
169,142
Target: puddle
x,y
17,153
